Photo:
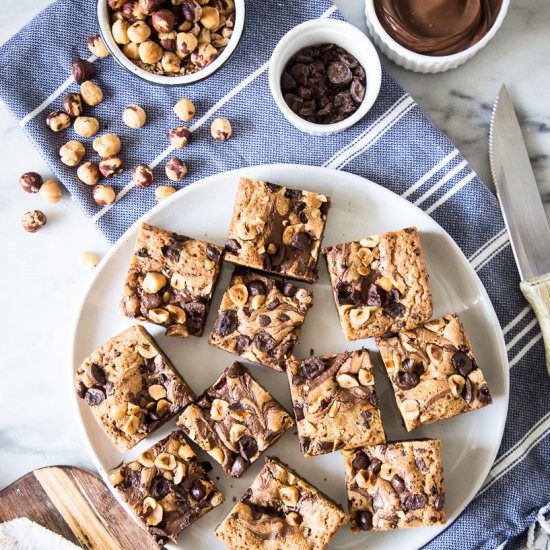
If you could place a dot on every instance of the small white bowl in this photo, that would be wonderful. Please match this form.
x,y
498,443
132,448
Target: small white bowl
x,y
103,16
425,63
326,31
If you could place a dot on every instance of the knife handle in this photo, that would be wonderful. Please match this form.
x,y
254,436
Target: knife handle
x,y
537,293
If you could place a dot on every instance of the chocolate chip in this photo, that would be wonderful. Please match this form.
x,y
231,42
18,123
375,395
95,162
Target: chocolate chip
x,y
360,461
195,314
414,502
339,73
364,520
151,301
357,90
172,252
294,102
398,484
406,380
256,287
468,391
132,479
344,293
274,304
300,72
375,464
284,318
294,194
212,253
198,491
344,104
109,388
366,416
288,289
160,487
301,241
96,374
247,447
305,443
206,466
420,464
394,295
142,253
312,367
299,411
376,296
94,397
235,370
264,320
81,390
462,363
298,380
239,466
394,310
483,394
232,246
373,399
241,343
303,218
439,502
287,82
263,342
226,323
276,259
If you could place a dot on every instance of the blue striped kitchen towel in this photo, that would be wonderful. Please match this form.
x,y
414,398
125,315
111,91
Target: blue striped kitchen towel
x,y
396,146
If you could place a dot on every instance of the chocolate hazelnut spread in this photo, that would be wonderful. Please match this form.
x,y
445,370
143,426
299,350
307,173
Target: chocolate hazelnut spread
x,y
437,27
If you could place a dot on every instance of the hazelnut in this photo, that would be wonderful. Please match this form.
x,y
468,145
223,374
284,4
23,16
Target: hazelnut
x,y
107,145
51,191
204,37
120,31
58,120
150,52
111,166
225,7
179,137
163,20
97,47
82,70
170,62
88,173
176,169
148,7
33,221
289,495
185,44
139,32
163,192
131,51
72,153
167,40
191,10
134,116
238,294
72,104
115,4
87,260
204,55
153,282
359,316
31,182
219,42
227,33
142,176
221,129
116,16
184,109
210,18
132,12
219,409
104,194
86,126
91,93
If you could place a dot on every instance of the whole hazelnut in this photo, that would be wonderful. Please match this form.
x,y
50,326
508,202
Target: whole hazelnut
x,y
58,120
170,62
185,26
150,6
179,137
116,16
134,116
51,191
107,145
221,129
210,18
204,37
225,7
142,176
31,182
139,32
167,40
33,221
115,4
176,169
150,52
184,109
186,43
204,55
111,167
132,12
91,93
82,70
163,20
219,42
227,33
104,194
97,46
86,126
88,173
191,10
72,104
72,153
163,192
131,51
87,260
120,31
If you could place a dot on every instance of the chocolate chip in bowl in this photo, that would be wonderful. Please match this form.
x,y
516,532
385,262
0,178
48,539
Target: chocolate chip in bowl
x,y
324,75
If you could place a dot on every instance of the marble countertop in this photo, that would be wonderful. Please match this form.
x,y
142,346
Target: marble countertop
x,y
41,282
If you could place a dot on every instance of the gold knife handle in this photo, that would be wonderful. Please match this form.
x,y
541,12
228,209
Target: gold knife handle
x,y
537,293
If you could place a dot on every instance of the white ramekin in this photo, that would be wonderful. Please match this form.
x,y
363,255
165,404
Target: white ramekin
x,y
326,31
105,30
424,63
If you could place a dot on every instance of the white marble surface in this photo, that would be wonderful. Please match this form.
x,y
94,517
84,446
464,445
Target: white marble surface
x,y
40,281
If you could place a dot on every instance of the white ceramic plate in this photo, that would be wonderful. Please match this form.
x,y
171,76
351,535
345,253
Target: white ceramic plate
x,y
359,208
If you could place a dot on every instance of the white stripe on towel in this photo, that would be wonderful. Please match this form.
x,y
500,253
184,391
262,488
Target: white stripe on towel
x,y
447,177
451,192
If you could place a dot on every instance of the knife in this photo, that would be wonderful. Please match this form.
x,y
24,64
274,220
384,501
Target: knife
x,y
522,210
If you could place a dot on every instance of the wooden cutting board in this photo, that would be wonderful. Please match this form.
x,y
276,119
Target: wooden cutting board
x,y
76,504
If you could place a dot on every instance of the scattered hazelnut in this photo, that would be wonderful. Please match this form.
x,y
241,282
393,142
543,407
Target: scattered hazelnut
x,y
221,129
88,173
210,18
120,31
176,169
86,126
31,182
131,51
58,120
163,192
148,7
139,32
91,93
170,62
204,55
104,194
167,40
51,191
179,137
191,10
87,260
33,221
142,176
163,20
186,43
150,52
111,166
72,104
72,153
96,45
107,145
134,116
82,70
184,109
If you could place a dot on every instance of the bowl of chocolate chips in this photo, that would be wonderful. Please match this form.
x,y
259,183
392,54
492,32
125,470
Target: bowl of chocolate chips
x,y
324,75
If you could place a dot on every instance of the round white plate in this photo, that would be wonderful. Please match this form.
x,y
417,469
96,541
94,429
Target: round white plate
x,y
359,208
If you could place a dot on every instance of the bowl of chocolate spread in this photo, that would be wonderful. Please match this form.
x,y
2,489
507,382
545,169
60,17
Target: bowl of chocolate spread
x,y
433,35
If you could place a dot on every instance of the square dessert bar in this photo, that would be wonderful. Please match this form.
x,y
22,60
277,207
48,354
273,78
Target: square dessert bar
x,y
395,486
380,284
131,387
260,318
167,488
434,372
235,420
335,402
281,511
171,281
277,230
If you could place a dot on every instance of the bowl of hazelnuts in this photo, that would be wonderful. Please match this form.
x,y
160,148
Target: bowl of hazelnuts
x,y
171,42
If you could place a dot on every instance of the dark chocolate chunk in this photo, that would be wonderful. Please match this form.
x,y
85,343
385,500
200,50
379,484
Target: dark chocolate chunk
x,y
483,394
256,287
364,520
439,502
468,391
398,484
264,320
420,464
172,252
376,296
94,396
235,370
96,374
299,412
81,390
195,314
312,367
406,380
232,246
239,466
357,90
289,290
360,461
274,304
394,310
247,447
242,342
301,241
300,72
151,301
462,363
284,318
160,487
375,464
263,341
287,82
294,194
226,323
339,73
212,253
198,490
415,501
273,187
